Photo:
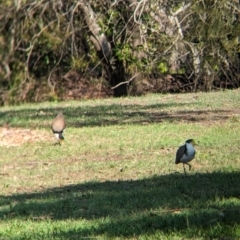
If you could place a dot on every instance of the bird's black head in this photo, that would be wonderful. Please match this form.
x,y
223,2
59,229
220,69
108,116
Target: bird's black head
x,y
190,141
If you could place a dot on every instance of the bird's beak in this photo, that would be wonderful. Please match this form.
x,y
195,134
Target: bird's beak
x,y
194,143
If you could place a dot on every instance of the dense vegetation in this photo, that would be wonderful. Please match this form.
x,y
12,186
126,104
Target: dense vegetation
x,y
85,48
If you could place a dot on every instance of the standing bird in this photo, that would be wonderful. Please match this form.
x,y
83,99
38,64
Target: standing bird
x,y
186,153
58,126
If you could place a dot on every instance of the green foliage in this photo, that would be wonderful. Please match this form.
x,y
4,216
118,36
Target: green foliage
x,y
212,27
39,38
78,63
124,53
163,67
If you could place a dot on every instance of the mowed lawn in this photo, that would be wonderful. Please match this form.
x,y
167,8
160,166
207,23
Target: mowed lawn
x,y
115,175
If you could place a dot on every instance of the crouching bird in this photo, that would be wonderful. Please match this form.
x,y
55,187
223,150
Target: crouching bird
x,y
58,126
186,154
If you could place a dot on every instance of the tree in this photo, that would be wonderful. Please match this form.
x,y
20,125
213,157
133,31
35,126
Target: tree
x,y
113,66
128,43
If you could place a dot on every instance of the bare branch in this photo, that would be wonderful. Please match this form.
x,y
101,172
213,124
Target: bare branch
x,y
126,82
98,38
182,9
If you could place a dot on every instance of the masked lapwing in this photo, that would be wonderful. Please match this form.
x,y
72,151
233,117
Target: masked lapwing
x,y
186,154
58,126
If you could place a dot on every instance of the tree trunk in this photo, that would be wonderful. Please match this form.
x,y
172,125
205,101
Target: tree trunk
x,y
135,28
114,68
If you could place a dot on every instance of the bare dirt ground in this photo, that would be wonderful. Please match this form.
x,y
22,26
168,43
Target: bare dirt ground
x,y
10,136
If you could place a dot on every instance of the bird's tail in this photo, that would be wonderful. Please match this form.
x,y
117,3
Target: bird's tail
x,y
177,161
61,136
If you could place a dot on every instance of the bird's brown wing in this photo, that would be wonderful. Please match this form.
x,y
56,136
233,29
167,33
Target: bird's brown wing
x,y
180,153
58,124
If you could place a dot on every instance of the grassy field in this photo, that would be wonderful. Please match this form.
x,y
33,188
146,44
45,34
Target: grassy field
x,y
115,177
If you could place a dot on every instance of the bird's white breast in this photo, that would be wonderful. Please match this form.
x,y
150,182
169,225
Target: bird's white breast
x,y
57,135
190,153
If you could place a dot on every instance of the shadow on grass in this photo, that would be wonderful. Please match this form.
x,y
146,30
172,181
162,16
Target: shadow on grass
x,y
132,208
104,115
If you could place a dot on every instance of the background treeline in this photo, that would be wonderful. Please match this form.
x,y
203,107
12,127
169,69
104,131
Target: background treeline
x,y
69,49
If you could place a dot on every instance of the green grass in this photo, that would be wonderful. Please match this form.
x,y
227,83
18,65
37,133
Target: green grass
x,y
115,177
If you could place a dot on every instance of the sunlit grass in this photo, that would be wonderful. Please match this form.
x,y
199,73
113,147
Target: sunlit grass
x,y
115,178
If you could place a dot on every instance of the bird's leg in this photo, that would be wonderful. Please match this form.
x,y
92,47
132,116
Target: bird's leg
x,y
189,166
184,169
